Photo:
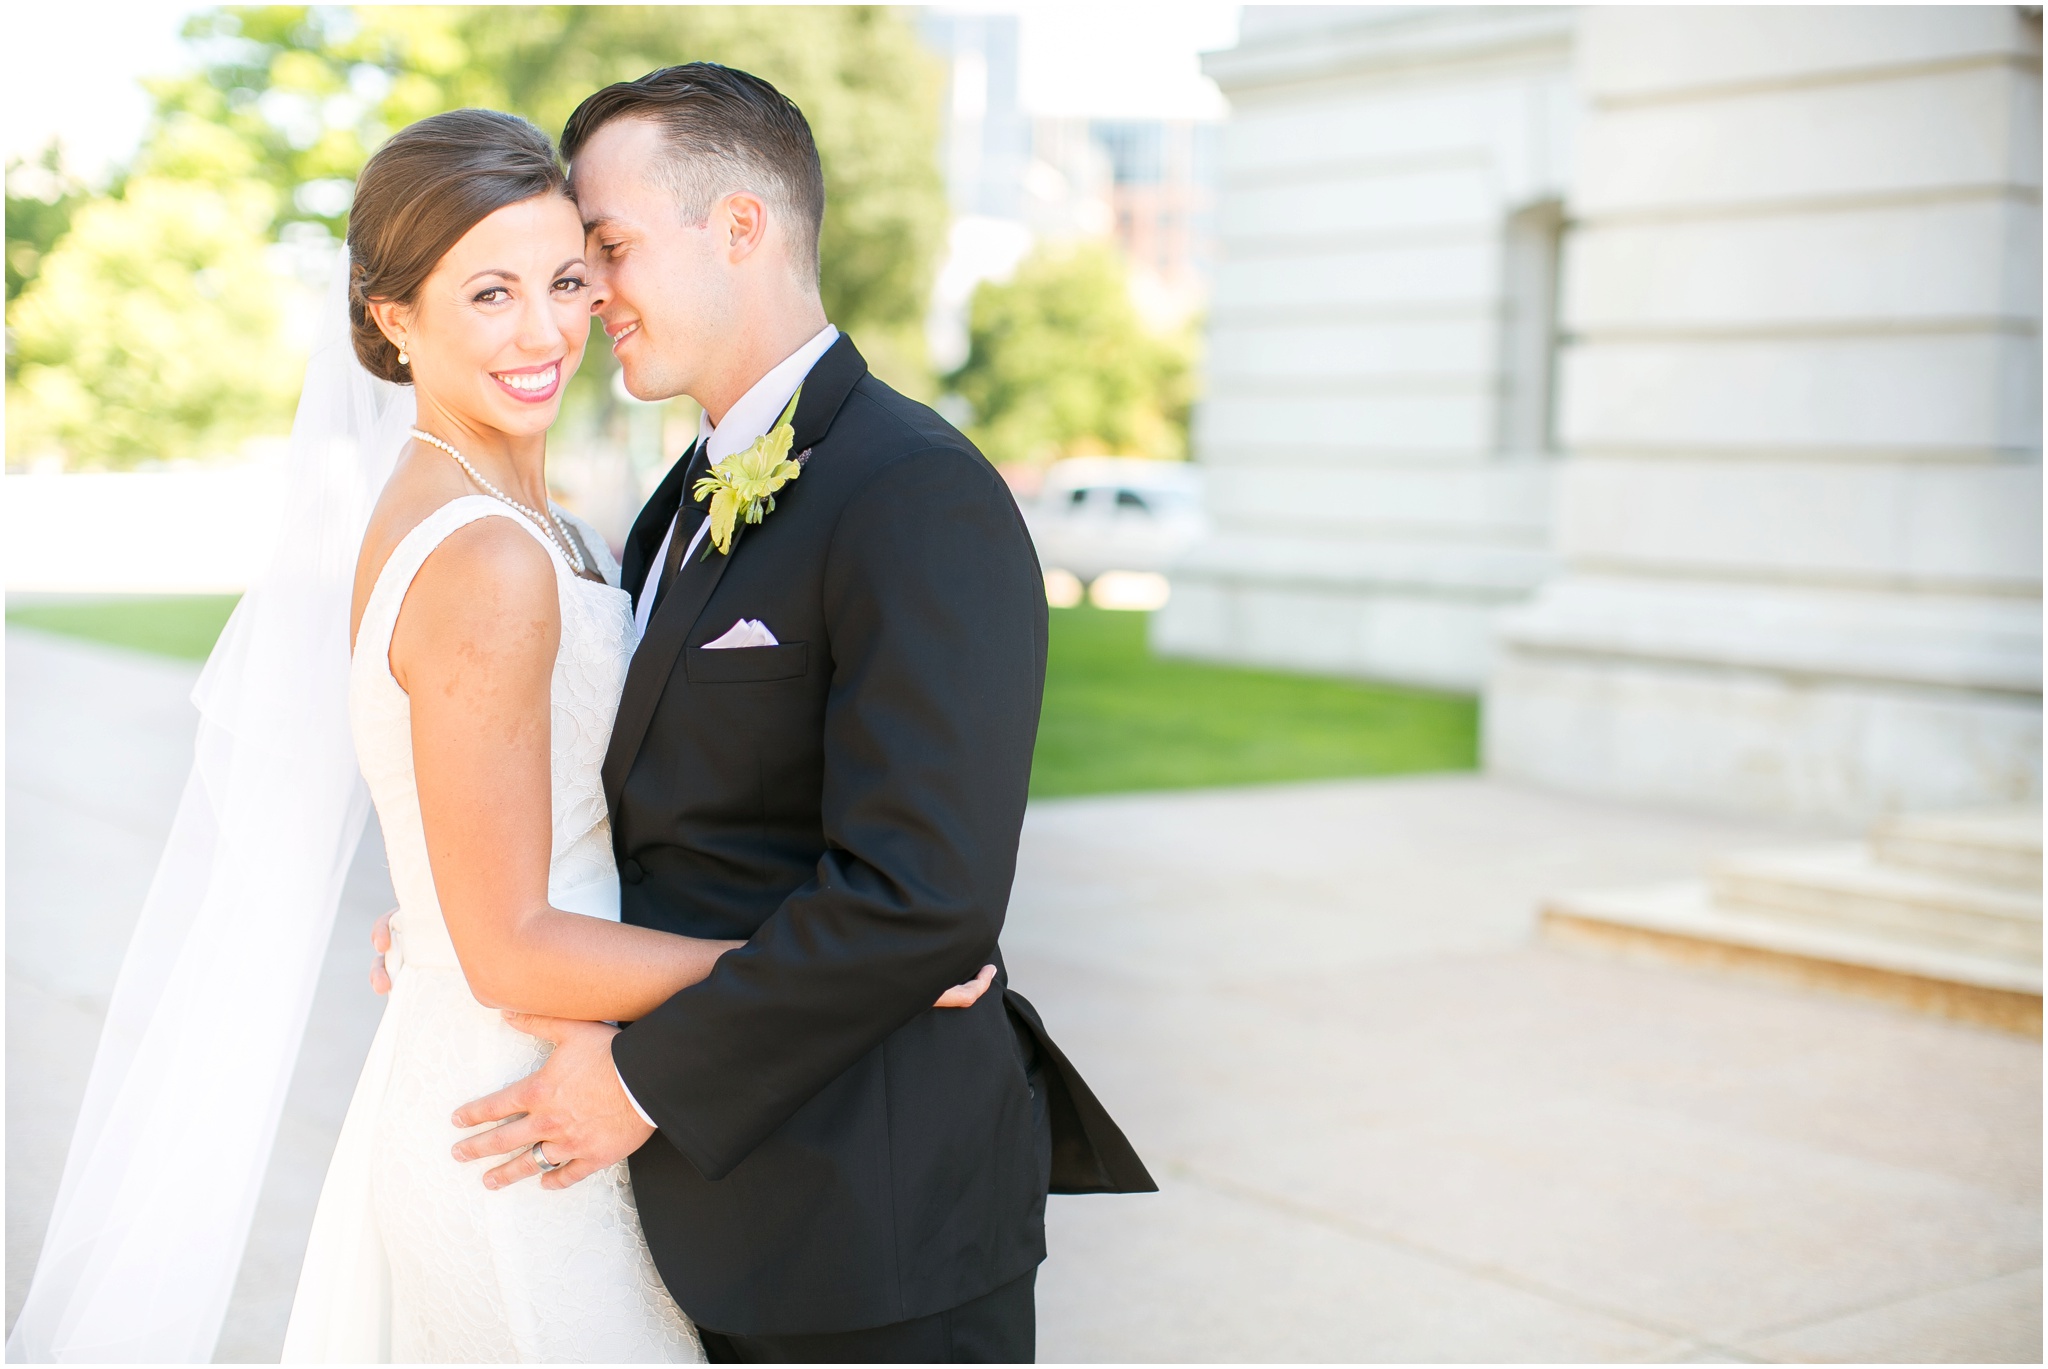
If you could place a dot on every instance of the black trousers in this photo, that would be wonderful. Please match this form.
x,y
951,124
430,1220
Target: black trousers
x,y
999,1327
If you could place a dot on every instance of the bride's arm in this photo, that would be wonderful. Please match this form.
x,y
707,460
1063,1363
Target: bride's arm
x,y
474,648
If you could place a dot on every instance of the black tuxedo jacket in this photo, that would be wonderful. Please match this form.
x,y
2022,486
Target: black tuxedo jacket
x,y
835,1153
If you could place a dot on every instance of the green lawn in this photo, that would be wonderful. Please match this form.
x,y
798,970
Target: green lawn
x,y
1116,718
184,626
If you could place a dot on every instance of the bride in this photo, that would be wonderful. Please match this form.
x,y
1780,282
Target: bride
x,y
476,651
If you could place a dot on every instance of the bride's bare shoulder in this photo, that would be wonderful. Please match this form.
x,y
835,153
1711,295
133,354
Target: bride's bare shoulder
x,y
490,561
485,598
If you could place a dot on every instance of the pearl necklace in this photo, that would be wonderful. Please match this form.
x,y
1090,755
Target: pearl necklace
x,y
550,526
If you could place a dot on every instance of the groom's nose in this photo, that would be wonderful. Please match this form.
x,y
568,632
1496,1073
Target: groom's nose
x,y
600,292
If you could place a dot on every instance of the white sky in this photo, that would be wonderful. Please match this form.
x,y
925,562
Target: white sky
x,y
1117,59
1111,59
44,87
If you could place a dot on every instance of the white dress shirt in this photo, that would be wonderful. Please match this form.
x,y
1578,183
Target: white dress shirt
x,y
751,417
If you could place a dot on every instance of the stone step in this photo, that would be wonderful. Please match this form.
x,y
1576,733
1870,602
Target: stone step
x,y
1846,888
1684,923
1998,846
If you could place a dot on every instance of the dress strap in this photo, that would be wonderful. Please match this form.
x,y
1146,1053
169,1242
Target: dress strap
x,y
601,559
387,596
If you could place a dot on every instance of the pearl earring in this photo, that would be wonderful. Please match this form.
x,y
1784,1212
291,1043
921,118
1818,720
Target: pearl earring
x,y
404,358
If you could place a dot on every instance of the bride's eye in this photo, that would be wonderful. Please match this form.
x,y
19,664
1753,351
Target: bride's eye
x,y
491,295
568,285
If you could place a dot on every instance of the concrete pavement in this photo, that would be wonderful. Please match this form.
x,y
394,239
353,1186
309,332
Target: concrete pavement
x,y
1386,1126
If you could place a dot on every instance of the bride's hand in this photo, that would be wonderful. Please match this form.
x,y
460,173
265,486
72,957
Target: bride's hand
x,y
380,942
961,995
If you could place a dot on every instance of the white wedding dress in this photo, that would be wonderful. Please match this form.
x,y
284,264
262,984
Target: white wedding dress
x,y
411,1257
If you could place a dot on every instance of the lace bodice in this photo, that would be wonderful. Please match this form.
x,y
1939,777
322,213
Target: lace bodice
x,y
597,643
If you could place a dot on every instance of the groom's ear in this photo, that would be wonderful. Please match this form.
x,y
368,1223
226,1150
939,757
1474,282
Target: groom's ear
x,y
742,217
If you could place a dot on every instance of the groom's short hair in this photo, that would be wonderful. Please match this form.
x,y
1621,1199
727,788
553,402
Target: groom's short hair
x,y
726,130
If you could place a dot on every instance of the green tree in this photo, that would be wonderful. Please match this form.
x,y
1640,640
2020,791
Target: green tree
x,y
1059,363
40,202
150,329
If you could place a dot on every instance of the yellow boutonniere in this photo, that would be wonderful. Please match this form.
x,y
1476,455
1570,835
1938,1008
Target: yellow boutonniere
x,y
742,487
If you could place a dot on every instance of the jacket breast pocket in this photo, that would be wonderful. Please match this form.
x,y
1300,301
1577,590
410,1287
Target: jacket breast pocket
x,y
746,664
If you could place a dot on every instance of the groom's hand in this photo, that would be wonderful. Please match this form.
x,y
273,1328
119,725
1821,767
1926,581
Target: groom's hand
x,y
573,1104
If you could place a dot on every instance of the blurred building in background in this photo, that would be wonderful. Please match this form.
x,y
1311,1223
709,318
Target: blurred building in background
x,y
1016,179
1671,374
1163,189
987,147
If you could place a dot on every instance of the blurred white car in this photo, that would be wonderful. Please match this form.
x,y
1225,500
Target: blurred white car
x,y
1095,515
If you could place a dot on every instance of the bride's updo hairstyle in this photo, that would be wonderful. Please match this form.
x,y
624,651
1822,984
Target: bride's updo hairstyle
x,y
430,184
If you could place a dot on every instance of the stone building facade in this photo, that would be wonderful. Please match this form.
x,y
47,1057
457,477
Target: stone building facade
x,y
1782,551
1375,424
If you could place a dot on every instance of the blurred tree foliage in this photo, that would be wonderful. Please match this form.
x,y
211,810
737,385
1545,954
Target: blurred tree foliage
x,y
40,201
285,105
150,328
1059,363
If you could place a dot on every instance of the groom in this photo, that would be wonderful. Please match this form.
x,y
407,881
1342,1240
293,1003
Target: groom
x,y
823,749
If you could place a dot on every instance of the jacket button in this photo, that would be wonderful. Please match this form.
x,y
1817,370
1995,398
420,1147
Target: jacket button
x,y
631,872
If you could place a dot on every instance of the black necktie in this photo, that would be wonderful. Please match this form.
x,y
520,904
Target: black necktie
x,y
678,542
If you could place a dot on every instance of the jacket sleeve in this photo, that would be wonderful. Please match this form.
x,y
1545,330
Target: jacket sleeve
x,y
936,615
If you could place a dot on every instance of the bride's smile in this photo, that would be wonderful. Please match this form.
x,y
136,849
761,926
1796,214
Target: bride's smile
x,y
532,385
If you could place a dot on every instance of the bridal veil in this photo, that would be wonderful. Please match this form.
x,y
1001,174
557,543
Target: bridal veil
x,y
175,1133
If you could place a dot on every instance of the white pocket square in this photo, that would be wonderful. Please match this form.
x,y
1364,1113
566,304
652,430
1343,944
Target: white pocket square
x,y
746,632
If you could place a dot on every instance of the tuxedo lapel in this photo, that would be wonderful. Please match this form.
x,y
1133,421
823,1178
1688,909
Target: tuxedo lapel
x,y
655,516
825,389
